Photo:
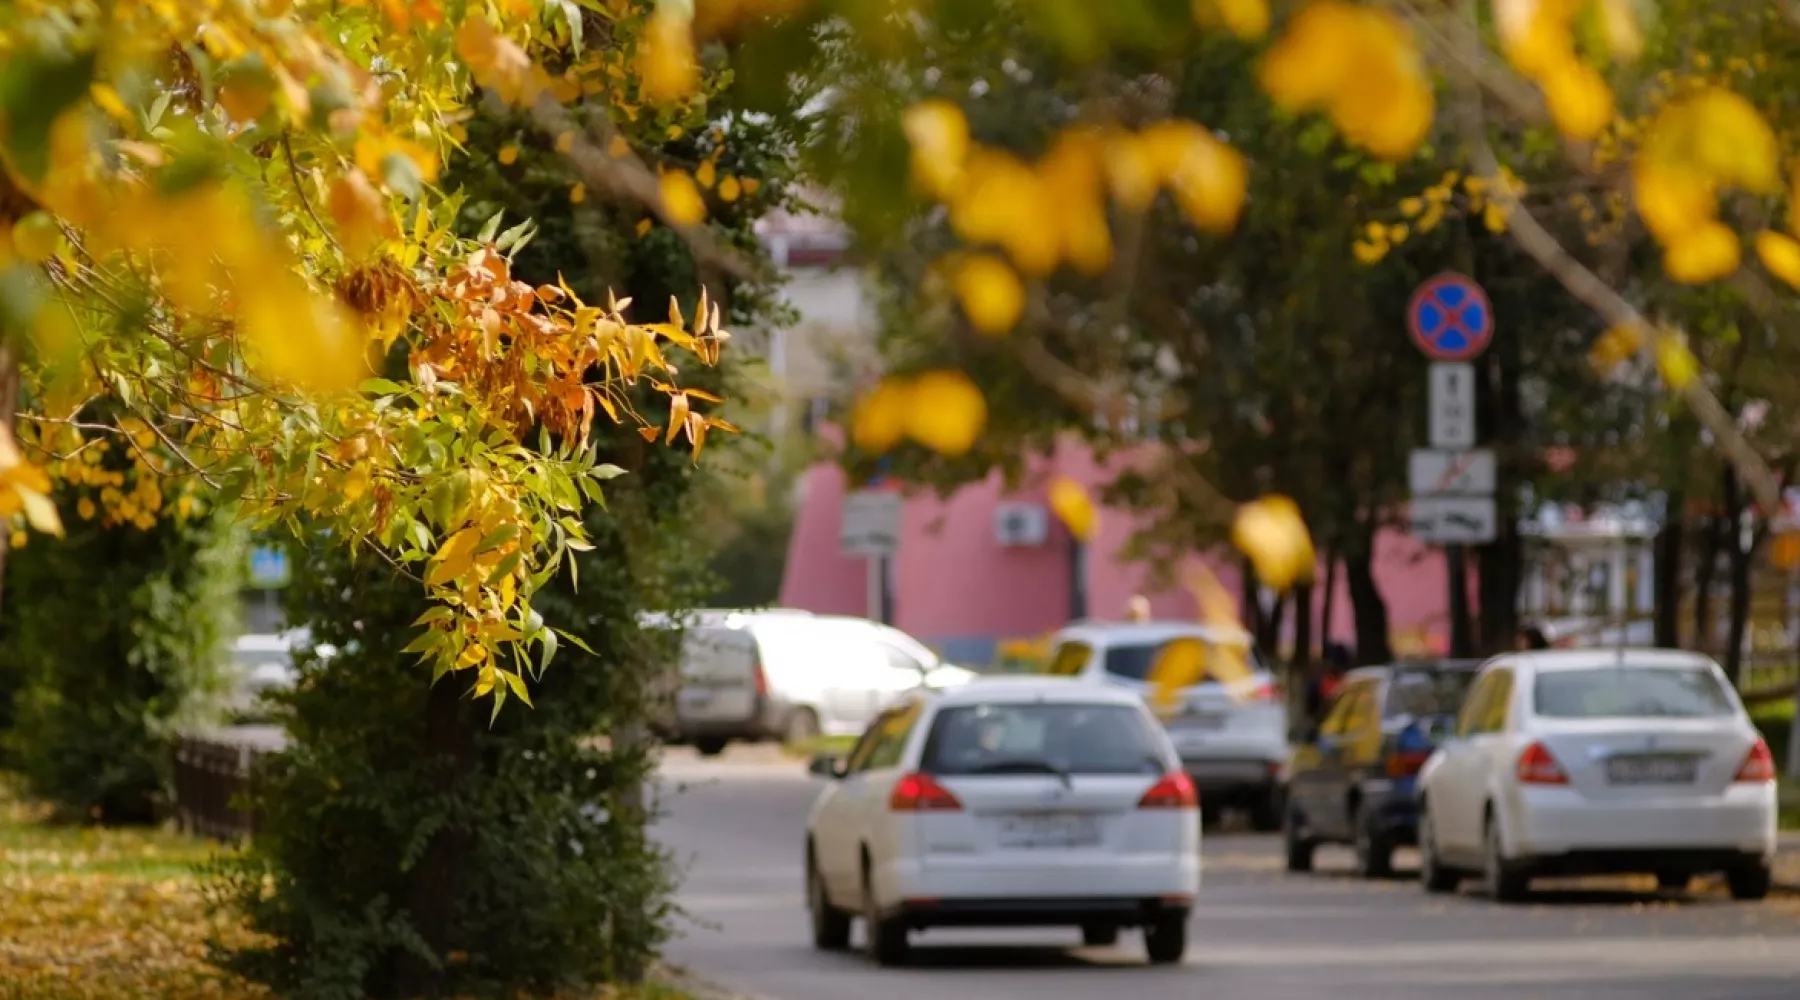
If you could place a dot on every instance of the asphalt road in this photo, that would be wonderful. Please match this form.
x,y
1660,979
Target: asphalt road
x,y
1257,932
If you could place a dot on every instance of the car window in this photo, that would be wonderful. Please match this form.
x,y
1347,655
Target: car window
x,y
1499,707
900,659
1422,693
1630,692
1360,715
1132,661
1069,659
1338,715
892,728
1475,704
1043,738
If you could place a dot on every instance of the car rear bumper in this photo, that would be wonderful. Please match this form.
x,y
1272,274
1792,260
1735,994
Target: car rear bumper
x,y
1616,861
1560,821
764,721
1101,877
1225,777
1046,911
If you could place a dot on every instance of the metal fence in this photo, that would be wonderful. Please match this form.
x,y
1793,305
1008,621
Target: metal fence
x,y
215,774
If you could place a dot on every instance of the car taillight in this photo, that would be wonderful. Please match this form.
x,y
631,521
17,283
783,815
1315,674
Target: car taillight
x,y
1538,767
919,793
1759,765
1406,763
759,679
1174,791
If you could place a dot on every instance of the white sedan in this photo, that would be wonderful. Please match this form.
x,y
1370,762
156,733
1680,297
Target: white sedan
x,y
1599,761
1006,802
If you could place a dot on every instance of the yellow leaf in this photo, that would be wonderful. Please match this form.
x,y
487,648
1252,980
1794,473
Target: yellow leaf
x,y
509,154
706,175
1180,663
1272,534
1614,347
1579,100
1704,254
1674,362
1360,64
454,558
1534,34
939,137
1672,202
1718,135
667,67
1784,550
36,237
299,336
356,481
1780,254
879,419
578,193
729,189
1307,63
681,199
1369,252
1623,36
945,412
1247,19
1131,172
1210,183
485,677
362,218
1070,501
565,141
992,295
40,511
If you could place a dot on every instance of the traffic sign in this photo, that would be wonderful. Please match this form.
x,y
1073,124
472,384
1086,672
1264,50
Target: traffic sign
x,y
1454,520
1452,423
871,525
1450,318
269,568
1452,473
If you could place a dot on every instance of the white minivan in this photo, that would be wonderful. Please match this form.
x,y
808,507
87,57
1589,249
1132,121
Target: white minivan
x,y
793,675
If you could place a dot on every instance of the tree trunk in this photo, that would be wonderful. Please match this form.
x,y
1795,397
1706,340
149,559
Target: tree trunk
x,y
1325,606
1368,608
1250,597
1738,556
1703,582
1461,642
435,882
1670,542
1499,563
1303,629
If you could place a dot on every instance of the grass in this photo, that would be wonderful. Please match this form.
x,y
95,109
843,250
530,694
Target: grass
x,y
88,913
820,745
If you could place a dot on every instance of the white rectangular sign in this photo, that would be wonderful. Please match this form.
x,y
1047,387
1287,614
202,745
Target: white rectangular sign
x,y
1454,520
1452,405
871,523
1451,473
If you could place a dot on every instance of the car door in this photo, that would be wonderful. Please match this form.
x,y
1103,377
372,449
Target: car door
x,y
1070,658
1490,751
864,794
1338,754
1455,801
1309,784
835,842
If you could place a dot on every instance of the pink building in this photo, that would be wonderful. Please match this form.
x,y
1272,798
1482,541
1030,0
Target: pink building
x,y
959,588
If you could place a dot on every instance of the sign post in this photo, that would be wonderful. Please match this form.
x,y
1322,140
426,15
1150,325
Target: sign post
x,y
871,530
1452,482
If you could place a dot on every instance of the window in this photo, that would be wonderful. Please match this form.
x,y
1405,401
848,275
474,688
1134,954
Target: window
x,y
1475,705
1044,738
1070,658
1425,693
900,659
885,742
1337,719
1360,716
1626,692
1134,661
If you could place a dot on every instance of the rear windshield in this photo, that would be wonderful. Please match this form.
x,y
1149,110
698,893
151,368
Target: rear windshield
x,y
1630,692
1422,693
1133,662
1040,738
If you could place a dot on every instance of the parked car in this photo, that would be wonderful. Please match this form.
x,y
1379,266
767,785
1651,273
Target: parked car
x,y
1014,801
1352,781
1599,761
261,663
793,675
1233,744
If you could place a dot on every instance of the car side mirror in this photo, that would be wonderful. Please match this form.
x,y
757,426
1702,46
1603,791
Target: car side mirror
x,y
826,765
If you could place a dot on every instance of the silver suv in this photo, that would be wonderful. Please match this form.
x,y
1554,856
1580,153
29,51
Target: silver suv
x,y
1233,744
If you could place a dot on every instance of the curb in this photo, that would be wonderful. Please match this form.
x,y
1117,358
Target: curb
x,y
696,986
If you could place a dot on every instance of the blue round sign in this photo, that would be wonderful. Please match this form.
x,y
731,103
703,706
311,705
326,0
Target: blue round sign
x,y
1450,319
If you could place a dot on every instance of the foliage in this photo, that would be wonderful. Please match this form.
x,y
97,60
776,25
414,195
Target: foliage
x,y
226,217
117,638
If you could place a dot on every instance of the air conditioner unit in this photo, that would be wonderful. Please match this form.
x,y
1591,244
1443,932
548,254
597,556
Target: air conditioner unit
x,y
1021,525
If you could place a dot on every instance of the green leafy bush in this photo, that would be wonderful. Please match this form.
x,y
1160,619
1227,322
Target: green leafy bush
x,y
114,639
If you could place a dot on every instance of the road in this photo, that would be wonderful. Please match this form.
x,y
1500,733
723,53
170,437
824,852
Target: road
x,y
1257,933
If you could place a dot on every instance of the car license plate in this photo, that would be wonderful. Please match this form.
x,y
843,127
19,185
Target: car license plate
x,y
1048,830
1652,770
1205,721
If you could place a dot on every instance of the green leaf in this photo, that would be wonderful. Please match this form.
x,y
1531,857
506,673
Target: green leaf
x,y
517,684
514,238
35,88
606,471
489,228
382,387
425,641
402,175
434,614
507,565
548,650
576,641
499,699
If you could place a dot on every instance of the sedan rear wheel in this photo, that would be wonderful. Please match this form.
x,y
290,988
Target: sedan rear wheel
x,y
1506,882
1433,874
1299,848
1750,881
1374,854
1165,938
830,925
888,944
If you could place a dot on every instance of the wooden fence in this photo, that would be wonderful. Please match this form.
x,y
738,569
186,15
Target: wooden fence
x,y
214,777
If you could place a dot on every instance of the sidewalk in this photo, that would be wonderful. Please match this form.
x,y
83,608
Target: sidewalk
x,y
1787,861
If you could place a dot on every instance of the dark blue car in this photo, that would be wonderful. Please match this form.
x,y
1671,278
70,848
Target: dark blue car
x,y
1353,781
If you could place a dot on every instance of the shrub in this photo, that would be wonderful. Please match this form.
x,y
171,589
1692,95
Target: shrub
x,y
115,637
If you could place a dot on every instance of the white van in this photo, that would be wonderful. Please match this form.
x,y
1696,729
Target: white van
x,y
793,675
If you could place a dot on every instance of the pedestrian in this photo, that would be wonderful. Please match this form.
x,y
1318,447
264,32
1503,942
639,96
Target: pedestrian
x,y
1531,637
1137,609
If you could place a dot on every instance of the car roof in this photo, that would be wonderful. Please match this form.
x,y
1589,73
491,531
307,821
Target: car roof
x,y
1543,660
1152,632
1030,688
